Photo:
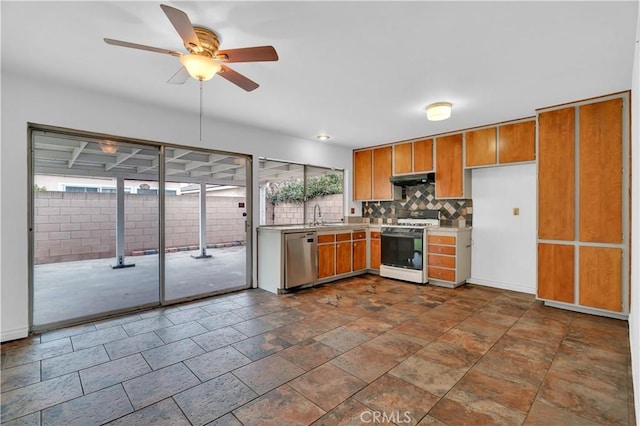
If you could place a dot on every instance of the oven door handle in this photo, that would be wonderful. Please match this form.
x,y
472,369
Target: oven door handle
x,y
403,235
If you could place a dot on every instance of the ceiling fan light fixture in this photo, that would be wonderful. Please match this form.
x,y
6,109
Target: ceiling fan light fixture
x,y
200,67
439,111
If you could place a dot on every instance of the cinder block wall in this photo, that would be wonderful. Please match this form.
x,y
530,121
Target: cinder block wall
x,y
77,226
290,213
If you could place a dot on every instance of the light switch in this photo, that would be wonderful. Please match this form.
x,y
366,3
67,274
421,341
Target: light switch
x,y
516,211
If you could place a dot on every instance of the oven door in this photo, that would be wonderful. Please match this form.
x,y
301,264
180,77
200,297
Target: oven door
x,y
402,247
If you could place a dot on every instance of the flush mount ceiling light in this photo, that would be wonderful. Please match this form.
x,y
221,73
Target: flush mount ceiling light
x,y
200,67
108,147
323,137
439,111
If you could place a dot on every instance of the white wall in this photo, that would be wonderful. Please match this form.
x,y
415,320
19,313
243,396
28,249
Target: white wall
x,y
503,253
42,102
634,316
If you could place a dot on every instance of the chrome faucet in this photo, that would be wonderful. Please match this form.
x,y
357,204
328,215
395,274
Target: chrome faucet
x,y
315,221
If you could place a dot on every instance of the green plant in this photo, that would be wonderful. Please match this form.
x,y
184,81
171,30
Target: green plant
x,y
37,187
293,191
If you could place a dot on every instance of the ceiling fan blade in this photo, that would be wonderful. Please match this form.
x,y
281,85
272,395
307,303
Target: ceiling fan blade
x,y
237,79
182,24
141,47
180,77
248,54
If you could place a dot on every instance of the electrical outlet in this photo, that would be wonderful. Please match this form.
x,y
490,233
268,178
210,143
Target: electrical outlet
x,y
353,210
516,211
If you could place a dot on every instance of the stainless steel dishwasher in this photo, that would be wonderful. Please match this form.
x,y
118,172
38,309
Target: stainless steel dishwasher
x,y
301,258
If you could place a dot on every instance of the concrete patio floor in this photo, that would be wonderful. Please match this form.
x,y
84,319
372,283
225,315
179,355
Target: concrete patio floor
x,y
80,289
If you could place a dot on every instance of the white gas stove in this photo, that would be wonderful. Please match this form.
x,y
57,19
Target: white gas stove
x,y
403,248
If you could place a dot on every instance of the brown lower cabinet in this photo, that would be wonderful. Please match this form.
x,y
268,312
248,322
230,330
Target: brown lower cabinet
x,y
555,272
341,253
600,277
359,247
374,250
449,257
326,259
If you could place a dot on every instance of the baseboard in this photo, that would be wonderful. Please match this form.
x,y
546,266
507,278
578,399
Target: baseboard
x,y
16,333
502,286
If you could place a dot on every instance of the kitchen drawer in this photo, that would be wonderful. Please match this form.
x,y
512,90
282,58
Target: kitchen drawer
x,y
444,261
441,249
442,274
441,239
343,237
327,238
375,235
359,235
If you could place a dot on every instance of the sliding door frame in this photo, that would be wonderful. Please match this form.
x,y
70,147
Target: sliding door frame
x,y
161,146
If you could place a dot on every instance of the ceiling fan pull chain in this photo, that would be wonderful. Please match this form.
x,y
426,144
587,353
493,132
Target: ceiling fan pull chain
x,y
201,108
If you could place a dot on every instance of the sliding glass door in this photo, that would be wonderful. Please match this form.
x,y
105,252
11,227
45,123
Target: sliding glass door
x,y
95,230
119,225
205,224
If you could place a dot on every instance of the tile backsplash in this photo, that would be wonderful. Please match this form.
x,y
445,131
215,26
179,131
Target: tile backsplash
x,y
422,197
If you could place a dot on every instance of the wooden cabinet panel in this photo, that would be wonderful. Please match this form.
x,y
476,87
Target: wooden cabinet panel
x,y
326,260
442,261
449,176
346,236
402,154
423,156
442,274
382,188
362,167
326,238
555,272
375,252
441,249
441,239
601,277
480,147
517,142
601,172
359,255
343,257
556,174
359,235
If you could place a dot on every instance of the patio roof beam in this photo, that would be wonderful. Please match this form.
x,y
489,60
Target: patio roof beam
x,y
120,158
76,153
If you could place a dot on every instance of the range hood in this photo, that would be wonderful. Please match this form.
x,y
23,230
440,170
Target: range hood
x,y
412,180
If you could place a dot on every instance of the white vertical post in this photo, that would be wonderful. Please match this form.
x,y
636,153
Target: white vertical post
x,y
203,223
120,225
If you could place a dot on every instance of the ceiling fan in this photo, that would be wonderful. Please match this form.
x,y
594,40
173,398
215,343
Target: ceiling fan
x,y
203,59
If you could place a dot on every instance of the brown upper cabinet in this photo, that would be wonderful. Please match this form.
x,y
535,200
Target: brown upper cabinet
x,y
517,142
503,144
452,181
423,156
362,162
413,157
600,172
556,174
372,170
481,147
382,188
402,158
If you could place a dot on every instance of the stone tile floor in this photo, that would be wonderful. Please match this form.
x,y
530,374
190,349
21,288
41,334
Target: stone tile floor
x,y
363,350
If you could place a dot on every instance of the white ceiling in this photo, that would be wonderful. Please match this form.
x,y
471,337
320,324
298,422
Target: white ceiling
x,y
360,71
